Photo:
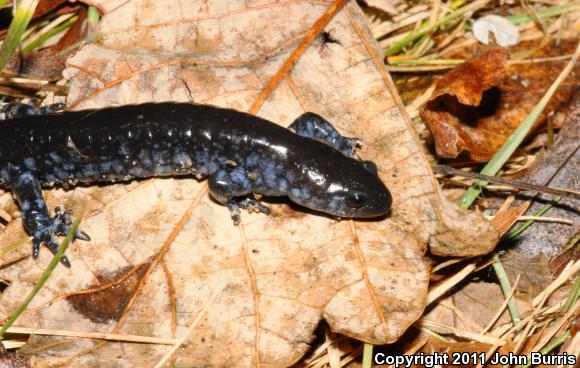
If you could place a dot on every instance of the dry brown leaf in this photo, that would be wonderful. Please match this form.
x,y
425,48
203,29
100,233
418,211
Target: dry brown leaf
x,y
571,252
387,6
472,352
455,350
558,167
535,273
479,303
461,100
12,360
284,272
477,105
505,219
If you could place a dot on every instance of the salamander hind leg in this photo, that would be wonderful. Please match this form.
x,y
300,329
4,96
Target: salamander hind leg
x,y
43,228
311,125
230,187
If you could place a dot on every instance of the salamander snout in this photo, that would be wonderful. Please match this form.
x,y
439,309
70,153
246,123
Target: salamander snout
x,y
345,188
372,199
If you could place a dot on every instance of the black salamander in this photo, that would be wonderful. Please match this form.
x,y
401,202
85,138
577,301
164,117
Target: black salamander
x,y
240,155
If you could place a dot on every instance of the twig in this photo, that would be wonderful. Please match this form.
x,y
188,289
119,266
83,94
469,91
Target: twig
x,y
438,290
93,335
448,170
520,229
502,307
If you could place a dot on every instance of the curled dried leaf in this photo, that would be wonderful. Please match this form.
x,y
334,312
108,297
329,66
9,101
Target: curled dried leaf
x,y
476,106
462,99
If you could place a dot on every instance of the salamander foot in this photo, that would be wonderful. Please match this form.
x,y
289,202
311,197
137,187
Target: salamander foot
x,y
59,225
249,204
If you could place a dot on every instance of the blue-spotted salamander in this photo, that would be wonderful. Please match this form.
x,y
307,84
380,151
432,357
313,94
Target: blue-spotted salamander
x,y
240,154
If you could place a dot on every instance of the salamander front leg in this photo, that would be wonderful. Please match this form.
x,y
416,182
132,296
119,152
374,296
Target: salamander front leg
x,y
230,187
311,125
38,223
15,110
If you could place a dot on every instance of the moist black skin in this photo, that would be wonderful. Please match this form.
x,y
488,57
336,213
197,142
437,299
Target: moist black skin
x,y
240,155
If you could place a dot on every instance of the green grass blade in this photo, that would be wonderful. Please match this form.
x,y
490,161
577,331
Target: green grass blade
x,y
507,290
553,344
17,244
517,137
520,229
22,15
573,297
93,16
426,27
42,280
544,13
434,334
50,33
367,356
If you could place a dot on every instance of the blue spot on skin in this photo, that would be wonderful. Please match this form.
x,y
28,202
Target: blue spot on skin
x,y
213,167
88,171
55,157
60,174
118,167
282,186
124,149
295,192
29,163
221,176
144,159
163,170
136,172
333,205
238,177
157,157
105,166
252,160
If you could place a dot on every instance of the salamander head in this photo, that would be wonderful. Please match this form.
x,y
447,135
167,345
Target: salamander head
x,y
343,188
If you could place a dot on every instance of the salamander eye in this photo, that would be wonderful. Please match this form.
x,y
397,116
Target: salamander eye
x,y
356,200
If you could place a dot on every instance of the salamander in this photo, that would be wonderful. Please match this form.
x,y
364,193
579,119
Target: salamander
x,y
240,155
